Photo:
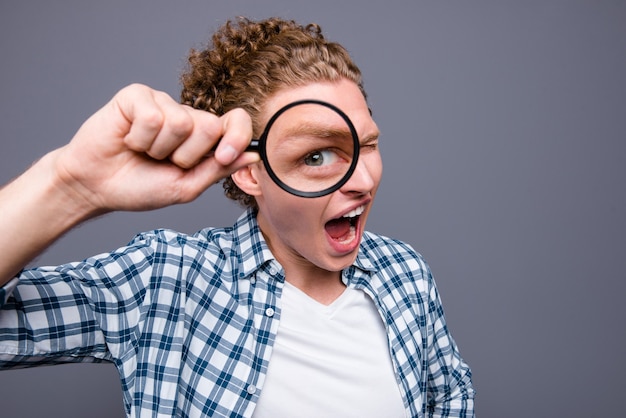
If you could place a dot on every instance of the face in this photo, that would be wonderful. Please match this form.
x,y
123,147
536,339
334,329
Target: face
x,y
321,234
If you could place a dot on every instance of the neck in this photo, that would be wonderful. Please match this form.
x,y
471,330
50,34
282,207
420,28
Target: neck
x,y
321,285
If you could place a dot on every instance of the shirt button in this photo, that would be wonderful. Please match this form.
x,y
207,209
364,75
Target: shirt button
x,y
269,312
273,271
251,389
252,280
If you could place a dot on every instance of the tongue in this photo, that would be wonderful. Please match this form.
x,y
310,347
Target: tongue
x,y
338,228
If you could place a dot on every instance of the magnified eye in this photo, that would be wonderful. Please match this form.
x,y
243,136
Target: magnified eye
x,y
309,148
320,157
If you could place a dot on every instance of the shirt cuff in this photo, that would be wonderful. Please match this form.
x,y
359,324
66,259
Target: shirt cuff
x,y
7,289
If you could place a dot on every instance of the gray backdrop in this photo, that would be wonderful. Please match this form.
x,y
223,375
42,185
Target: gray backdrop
x,y
503,141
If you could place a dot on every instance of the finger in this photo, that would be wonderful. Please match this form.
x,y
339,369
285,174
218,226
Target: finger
x,y
233,130
207,131
139,107
176,126
237,135
208,172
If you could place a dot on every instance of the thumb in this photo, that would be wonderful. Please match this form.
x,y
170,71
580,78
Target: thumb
x,y
196,180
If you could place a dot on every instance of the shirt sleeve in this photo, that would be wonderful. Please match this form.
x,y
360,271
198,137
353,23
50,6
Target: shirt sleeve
x,y
78,312
450,389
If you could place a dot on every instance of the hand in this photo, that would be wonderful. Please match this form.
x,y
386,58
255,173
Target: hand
x,y
144,151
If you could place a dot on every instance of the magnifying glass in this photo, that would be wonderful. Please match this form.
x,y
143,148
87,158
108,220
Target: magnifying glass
x,y
310,148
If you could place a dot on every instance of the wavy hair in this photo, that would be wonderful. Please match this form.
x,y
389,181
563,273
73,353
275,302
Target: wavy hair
x,y
247,61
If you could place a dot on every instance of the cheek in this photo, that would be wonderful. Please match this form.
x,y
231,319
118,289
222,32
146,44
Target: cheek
x,y
379,165
288,213
299,214
374,165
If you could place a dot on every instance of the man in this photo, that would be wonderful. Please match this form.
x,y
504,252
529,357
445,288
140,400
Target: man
x,y
293,311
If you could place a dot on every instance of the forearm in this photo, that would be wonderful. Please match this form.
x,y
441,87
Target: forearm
x,y
35,211
141,151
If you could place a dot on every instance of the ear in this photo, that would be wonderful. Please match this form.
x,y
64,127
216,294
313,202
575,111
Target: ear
x,y
247,179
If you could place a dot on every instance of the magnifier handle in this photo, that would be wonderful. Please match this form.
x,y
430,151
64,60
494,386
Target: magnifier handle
x,y
253,146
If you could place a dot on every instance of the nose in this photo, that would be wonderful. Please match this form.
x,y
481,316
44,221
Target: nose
x,y
362,181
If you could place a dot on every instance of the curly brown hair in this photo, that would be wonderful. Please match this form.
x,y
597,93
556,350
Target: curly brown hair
x,y
248,61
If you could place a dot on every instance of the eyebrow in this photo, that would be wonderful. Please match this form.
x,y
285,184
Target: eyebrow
x,y
318,131
370,138
322,131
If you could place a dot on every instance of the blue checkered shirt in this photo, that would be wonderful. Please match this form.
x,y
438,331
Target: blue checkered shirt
x,y
190,320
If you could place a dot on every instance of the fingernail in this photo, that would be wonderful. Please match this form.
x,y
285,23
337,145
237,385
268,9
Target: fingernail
x,y
227,154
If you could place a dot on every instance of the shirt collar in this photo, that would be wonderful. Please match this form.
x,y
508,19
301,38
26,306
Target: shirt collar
x,y
365,260
254,251
252,248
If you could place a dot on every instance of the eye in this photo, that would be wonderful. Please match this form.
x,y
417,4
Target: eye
x,y
320,157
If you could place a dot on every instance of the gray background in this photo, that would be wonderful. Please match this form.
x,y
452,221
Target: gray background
x,y
503,141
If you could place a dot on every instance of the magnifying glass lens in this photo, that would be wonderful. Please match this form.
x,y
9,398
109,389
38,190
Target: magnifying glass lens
x,y
310,148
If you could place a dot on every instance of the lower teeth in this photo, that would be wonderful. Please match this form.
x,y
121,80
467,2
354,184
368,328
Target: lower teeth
x,y
349,236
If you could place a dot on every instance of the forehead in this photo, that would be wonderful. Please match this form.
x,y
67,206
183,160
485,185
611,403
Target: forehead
x,y
343,94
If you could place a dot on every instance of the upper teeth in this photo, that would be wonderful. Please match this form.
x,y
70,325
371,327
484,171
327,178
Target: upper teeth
x,y
354,212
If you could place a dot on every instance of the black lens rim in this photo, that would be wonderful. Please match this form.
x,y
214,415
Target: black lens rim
x,y
262,150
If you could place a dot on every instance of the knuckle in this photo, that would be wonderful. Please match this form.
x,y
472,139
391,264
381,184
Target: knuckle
x,y
210,128
133,88
151,119
180,124
239,123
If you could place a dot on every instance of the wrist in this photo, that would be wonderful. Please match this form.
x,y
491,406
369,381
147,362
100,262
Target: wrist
x,y
63,196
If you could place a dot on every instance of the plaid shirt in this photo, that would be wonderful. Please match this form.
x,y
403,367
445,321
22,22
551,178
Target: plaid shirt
x,y
190,321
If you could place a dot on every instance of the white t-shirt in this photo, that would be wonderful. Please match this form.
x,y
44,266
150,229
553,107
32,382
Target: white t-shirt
x,y
330,361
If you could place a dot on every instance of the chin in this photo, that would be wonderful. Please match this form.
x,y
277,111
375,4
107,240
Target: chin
x,y
342,262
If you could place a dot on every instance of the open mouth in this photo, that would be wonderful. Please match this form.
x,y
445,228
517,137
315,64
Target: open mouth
x,y
344,229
